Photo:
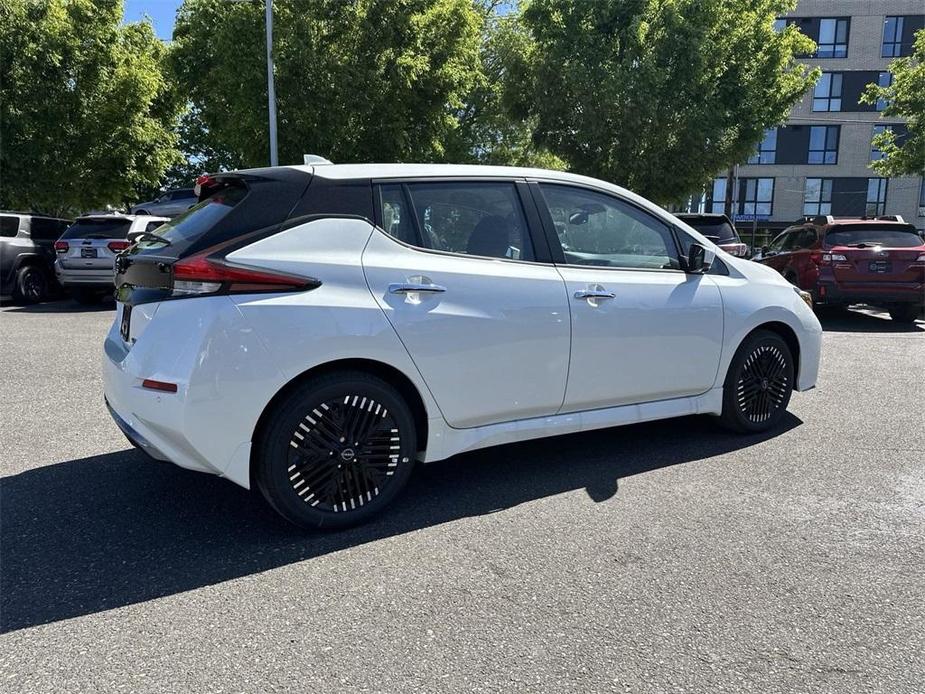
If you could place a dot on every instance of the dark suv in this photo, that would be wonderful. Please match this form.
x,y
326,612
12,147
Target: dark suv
x,y
844,260
719,229
27,255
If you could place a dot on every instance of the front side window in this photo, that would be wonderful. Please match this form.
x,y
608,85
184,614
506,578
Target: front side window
x,y
766,149
827,93
833,38
756,196
823,144
817,197
472,218
596,229
876,197
892,37
777,245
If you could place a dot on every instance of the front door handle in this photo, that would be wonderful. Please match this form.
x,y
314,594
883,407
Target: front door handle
x,y
594,294
410,287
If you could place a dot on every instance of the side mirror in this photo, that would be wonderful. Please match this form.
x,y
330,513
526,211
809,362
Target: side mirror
x,y
699,259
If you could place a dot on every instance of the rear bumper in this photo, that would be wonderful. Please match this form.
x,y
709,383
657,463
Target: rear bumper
x,y
72,277
863,293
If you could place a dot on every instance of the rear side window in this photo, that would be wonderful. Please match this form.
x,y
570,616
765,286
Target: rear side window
x,y
98,228
9,226
898,236
472,218
42,229
184,230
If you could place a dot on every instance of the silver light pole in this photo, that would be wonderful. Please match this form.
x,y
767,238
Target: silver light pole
x,y
271,87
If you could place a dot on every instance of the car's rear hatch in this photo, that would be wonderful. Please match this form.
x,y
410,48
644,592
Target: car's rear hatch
x,y
875,254
91,243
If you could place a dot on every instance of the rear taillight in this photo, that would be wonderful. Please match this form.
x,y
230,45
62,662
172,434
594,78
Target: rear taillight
x,y
199,274
61,246
118,246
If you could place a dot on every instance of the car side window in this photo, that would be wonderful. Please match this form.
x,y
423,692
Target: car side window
x,y
396,214
44,229
471,218
9,226
777,245
597,229
805,239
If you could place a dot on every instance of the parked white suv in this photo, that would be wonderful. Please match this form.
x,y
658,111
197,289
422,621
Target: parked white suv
x,y
86,250
316,330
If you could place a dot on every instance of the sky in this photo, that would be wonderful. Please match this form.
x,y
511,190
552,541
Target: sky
x,y
162,13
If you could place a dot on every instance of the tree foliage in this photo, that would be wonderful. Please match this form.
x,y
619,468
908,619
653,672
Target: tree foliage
x,y
905,98
85,109
657,95
355,81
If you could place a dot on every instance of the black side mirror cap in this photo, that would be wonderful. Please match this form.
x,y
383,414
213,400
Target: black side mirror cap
x,y
699,259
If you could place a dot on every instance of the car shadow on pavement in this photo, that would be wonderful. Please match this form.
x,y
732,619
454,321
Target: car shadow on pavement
x,y
864,320
98,533
61,306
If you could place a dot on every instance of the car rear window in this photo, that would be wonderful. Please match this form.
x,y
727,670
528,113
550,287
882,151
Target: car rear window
x,y
184,230
98,228
717,230
9,226
895,235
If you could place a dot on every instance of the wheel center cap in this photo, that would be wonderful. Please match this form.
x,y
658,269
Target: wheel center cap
x,y
764,384
347,455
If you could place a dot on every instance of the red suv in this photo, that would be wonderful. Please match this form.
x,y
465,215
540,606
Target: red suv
x,y
841,261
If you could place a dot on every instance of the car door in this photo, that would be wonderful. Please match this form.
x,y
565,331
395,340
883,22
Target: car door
x,y
455,269
642,328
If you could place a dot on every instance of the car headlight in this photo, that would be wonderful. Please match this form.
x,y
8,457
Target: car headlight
x,y
806,296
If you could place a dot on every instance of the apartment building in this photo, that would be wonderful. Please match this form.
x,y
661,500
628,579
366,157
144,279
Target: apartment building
x,y
819,162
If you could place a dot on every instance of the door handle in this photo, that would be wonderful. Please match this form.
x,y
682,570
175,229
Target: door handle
x,y
409,287
594,294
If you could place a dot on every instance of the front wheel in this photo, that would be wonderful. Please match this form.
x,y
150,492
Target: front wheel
x,y
758,384
336,451
904,313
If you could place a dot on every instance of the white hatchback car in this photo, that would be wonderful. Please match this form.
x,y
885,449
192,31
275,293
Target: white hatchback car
x,y
315,330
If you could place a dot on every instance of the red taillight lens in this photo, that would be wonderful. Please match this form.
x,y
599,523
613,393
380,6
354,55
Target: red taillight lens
x,y
61,246
200,275
162,386
820,258
117,246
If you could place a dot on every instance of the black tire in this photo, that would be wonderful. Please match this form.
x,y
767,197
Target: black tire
x,y
309,471
87,297
905,313
758,384
31,285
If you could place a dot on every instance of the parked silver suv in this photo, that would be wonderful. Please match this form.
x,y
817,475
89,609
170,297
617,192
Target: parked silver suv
x,y
170,204
87,249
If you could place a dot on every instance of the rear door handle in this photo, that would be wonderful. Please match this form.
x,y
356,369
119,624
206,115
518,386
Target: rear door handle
x,y
409,287
594,294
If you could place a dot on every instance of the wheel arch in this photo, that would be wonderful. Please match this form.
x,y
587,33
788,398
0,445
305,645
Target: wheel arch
x,y
787,334
388,373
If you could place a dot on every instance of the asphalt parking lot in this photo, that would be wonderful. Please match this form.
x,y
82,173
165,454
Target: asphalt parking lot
x,y
655,558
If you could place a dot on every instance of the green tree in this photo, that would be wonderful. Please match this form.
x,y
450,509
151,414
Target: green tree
x,y
905,98
355,81
85,110
657,95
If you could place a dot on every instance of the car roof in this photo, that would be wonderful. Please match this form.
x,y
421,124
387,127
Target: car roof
x,y
119,215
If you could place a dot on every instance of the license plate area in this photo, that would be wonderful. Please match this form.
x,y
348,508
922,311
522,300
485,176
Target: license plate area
x,y
125,323
879,266
87,252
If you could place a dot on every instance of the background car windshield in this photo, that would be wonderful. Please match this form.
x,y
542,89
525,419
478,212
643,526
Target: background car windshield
x,y
186,228
879,235
98,228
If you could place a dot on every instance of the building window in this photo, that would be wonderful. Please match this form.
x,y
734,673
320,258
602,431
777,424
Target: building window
x,y
892,37
823,144
827,94
766,149
716,202
817,197
780,24
884,79
875,153
922,199
756,197
833,38
876,197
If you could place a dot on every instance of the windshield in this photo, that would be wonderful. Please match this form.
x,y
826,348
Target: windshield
x,y
895,235
98,228
717,230
183,230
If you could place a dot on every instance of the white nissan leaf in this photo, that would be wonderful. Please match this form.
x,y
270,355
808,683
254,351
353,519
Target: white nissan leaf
x,y
316,330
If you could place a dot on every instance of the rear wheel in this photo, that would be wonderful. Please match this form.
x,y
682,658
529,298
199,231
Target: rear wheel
x,y
337,451
905,313
758,384
31,285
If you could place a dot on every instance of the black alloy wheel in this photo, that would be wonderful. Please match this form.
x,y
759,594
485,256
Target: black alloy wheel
x,y
759,383
336,451
31,284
